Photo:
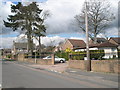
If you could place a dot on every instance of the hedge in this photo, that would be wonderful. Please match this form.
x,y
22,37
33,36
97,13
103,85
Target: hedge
x,y
94,54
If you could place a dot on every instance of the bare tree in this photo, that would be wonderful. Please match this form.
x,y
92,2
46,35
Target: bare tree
x,y
99,17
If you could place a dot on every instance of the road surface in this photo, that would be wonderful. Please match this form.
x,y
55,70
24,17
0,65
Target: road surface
x,y
0,72
19,76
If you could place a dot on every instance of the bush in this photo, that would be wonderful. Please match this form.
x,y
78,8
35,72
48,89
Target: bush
x,y
96,54
78,55
63,54
9,56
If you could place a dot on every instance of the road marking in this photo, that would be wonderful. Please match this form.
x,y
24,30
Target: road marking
x,y
73,71
0,86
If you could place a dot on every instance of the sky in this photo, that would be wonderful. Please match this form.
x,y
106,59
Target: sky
x,y
59,25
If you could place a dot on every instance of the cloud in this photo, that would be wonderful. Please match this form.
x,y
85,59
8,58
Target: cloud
x,y
7,42
62,14
51,41
78,38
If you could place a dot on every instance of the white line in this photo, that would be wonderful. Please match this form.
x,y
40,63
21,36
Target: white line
x,y
0,86
73,71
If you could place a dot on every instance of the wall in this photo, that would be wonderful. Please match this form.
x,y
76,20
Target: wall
x,y
111,66
78,64
38,61
106,66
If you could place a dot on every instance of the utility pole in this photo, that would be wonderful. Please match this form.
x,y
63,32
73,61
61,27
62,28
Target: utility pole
x,y
88,66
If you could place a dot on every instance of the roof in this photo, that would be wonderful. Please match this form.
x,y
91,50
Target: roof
x,y
116,39
105,44
7,50
100,40
20,45
77,42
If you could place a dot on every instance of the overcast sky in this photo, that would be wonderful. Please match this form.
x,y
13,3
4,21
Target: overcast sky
x,y
59,24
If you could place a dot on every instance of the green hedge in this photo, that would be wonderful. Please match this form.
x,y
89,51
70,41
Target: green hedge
x,y
94,54
63,54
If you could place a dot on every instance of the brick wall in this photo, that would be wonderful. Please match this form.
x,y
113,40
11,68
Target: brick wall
x,y
106,66
78,64
38,61
111,66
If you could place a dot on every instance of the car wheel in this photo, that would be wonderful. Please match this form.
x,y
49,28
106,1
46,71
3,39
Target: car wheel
x,y
61,61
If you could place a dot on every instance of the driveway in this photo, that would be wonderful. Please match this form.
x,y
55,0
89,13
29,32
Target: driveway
x,y
58,67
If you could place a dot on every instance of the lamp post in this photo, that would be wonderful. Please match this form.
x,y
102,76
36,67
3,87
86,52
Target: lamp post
x,y
88,67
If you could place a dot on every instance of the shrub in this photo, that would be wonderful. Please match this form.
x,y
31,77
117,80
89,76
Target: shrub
x,y
63,54
9,55
96,54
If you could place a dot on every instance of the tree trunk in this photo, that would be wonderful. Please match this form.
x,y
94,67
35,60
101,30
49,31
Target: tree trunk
x,y
30,44
39,44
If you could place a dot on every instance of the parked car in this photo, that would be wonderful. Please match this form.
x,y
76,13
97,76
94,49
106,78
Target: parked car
x,y
57,59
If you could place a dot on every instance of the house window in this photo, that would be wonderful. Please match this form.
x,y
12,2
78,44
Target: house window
x,y
113,49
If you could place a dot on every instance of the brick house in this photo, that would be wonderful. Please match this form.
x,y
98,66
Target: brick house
x,y
71,44
19,47
5,52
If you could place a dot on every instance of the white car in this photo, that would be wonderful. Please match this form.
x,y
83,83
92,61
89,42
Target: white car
x,y
57,59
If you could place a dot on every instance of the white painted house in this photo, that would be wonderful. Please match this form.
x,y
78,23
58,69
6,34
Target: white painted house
x,y
110,49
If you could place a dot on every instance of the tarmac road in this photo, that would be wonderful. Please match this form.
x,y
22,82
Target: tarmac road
x,y
20,76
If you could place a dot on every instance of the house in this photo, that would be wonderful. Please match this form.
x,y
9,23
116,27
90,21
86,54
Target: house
x,y
19,47
115,40
109,48
71,44
99,40
5,52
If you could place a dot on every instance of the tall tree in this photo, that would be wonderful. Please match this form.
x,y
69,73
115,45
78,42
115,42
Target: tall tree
x,y
40,29
24,18
99,17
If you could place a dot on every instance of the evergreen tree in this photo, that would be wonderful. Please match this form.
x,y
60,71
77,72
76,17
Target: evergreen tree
x,y
26,18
